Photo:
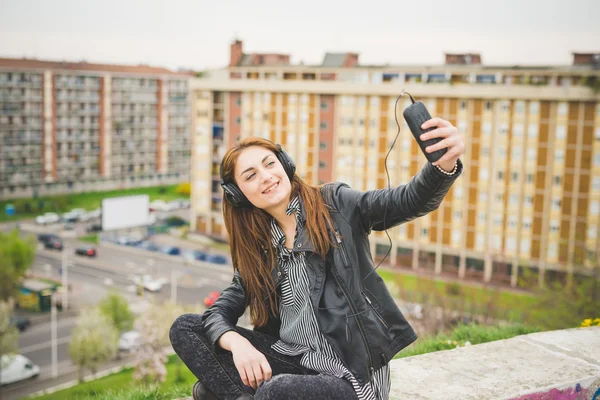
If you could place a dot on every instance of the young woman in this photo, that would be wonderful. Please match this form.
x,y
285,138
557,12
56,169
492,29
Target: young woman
x,y
325,325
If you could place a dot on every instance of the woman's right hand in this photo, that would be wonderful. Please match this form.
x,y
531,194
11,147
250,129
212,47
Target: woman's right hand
x,y
252,365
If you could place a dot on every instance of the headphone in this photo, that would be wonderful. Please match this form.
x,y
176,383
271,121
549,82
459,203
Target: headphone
x,y
234,194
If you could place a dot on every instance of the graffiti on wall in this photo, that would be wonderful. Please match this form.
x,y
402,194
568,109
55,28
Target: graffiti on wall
x,y
592,392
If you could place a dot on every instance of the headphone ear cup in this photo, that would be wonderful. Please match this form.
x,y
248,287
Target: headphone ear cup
x,y
288,164
234,195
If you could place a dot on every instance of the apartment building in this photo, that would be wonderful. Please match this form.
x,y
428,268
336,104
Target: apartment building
x,y
529,197
75,127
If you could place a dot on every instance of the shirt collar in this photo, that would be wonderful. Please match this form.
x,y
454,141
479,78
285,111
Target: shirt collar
x,y
295,206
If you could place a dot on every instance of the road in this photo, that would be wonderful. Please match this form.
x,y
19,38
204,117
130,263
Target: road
x,y
91,279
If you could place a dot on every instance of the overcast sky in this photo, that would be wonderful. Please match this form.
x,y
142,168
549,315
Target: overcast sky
x,y
197,33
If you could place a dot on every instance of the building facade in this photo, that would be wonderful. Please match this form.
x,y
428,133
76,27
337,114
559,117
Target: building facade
x,y
75,127
529,197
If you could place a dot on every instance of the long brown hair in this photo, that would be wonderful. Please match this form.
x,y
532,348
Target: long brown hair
x,y
249,228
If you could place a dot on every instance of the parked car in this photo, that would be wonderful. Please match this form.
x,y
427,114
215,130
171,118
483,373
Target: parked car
x,y
85,250
44,237
21,323
69,226
17,368
159,205
171,250
216,259
211,298
54,244
47,218
93,228
150,284
194,255
69,217
130,341
147,245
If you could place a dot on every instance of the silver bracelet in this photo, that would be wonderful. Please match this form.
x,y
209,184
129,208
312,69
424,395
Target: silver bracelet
x,y
446,172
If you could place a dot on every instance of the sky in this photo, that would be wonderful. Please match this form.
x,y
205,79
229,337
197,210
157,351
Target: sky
x,y
197,34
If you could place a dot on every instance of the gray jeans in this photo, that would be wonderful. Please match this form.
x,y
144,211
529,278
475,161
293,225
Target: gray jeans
x,y
214,367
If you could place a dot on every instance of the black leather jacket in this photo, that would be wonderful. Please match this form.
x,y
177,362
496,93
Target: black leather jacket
x,y
354,309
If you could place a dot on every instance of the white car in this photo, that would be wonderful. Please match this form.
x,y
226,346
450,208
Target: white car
x,y
149,284
130,341
159,205
17,368
48,218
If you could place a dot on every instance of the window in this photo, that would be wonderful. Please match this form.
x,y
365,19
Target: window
x,y
554,226
424,232
480,240
323,125
563,108
528,200
516,154
515,176
323,145
456,236
597,160
529,178
596,184
324,106
500,175
458,192
322,165
557,180
531,153
458,214
534,107
524,245
556,204
520,107
511,244
533,130
594,208
518,130
463,105
561,132
483,174
488,105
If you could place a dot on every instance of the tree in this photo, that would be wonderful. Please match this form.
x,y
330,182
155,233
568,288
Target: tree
x,y
16,256
154,326
94,341
9,334
116,308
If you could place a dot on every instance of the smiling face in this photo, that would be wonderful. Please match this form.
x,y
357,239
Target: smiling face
x,y
261,177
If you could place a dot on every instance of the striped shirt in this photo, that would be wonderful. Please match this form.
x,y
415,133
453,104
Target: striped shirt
x,y
299,332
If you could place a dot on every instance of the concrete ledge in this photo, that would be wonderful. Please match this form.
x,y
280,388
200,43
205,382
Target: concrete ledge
x,y
548,365
556,365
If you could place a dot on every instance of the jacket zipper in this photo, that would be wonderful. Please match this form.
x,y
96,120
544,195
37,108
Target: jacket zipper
x,y
379,316
360,327
338,238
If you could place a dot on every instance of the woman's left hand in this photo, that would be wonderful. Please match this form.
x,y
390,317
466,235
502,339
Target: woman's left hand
x,y
451,139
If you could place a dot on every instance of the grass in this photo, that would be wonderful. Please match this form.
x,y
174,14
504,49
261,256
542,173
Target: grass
x,y
89,238
88,201
504,304
122,386
474,334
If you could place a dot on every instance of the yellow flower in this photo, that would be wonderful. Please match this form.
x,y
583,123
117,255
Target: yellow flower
x,y
586,322
597,321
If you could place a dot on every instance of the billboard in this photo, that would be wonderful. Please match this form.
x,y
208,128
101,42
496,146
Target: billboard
x,y
125,212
